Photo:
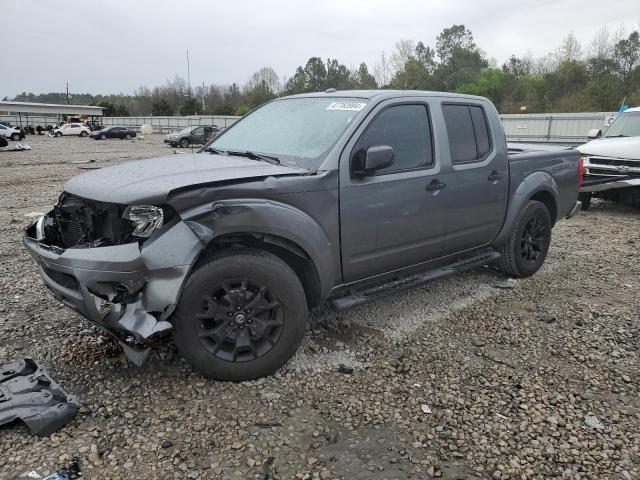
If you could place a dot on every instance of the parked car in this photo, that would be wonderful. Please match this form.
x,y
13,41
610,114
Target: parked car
x,y
12,133
612,161
329,197
192,136
71,129
114,132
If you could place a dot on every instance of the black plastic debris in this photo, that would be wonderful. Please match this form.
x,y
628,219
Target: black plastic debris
x,y
28,393
70,472
345,369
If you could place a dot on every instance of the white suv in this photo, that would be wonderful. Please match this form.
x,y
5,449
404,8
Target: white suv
x,y
72,129
10,132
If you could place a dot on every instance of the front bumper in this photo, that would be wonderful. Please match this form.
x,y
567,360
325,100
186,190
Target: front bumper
x,y
128,290
170,140
599,184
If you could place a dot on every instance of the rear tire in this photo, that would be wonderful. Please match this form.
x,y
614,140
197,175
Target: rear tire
x,y
241,316
127,137
184,143
527,246
585,198
83,134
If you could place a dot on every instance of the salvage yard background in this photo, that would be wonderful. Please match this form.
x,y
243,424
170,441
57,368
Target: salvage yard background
x,y
470,377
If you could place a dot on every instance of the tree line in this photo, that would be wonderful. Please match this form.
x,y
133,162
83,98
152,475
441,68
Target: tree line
x,y
599,76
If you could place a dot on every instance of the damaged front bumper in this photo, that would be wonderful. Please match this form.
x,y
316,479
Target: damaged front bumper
x,y
130,290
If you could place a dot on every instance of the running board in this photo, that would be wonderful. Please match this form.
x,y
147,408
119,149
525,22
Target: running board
x,y
358,297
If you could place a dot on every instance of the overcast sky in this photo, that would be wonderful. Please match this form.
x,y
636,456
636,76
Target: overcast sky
x,y
116,45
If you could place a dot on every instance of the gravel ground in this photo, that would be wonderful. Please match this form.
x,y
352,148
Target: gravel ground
x,y
470,377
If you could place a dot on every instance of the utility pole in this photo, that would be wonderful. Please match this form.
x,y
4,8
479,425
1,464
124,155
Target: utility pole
x,y
188,77
67,93
203,97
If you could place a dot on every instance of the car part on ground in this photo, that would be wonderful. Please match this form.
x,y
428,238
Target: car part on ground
x,y
29,394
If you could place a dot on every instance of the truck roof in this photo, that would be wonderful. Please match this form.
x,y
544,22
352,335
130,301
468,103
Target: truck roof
x,y
370,94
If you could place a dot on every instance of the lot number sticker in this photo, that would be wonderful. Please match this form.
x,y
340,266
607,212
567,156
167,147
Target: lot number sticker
x,y
351,106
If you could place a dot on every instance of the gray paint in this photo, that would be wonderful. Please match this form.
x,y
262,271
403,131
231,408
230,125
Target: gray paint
x,y
352,229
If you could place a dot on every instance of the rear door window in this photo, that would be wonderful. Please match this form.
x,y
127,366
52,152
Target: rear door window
x,y
468,132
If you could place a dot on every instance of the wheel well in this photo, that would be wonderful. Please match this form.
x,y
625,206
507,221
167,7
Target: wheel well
x,y
549,201
284,249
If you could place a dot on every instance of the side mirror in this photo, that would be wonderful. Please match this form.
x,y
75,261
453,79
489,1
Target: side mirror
x,y
594,133
377,158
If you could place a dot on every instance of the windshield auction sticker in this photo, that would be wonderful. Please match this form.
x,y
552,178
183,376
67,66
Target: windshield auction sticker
x,y
351,106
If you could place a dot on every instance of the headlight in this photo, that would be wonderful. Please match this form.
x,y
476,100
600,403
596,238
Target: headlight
x,y
146,218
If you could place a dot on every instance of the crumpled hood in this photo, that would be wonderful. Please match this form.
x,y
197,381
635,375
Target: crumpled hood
x,y
150,181
623,147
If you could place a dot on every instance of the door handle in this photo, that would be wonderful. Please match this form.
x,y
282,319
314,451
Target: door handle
x,y
494,176
435,185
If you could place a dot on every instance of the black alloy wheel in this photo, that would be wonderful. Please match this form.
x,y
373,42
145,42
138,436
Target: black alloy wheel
x,y
240,320
533,238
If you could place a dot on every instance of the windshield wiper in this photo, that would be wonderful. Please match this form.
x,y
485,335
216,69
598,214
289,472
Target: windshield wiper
x,y
256,156
615,136
215,150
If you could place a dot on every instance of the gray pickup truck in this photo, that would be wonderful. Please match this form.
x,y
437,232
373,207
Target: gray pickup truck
x,y
337,197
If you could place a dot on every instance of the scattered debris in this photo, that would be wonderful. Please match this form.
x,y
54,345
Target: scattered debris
x,y
344,369
268,424
426,408
507,284
548,318
29,394
70,472
266,469
593,422
166,444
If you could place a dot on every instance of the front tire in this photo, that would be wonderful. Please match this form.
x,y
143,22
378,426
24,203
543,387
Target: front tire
x,y
241,316
527,247
184,143
103,137
15,137
83,134
58,134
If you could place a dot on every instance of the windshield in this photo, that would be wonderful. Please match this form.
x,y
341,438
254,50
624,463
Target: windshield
x,y
626,125
186,130
295,130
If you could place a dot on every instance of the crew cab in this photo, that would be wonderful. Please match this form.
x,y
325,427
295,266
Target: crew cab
x,y
71,129
612,161
337,197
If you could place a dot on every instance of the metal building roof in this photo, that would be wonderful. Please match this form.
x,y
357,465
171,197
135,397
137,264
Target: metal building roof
x,y
49,108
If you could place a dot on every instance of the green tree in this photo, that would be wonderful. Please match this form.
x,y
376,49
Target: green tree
x,y
189,107
161,108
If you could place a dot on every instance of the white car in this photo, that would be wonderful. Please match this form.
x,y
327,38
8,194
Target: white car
x,y
612,161
10,132
72,129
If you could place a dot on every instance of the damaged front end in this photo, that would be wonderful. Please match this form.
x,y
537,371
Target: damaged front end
x,y
120,266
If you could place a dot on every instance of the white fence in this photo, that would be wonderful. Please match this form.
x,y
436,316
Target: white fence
x,y
571,128
169,124
568,128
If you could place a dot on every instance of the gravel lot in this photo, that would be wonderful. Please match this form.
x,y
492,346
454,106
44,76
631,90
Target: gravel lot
x,y
471,377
